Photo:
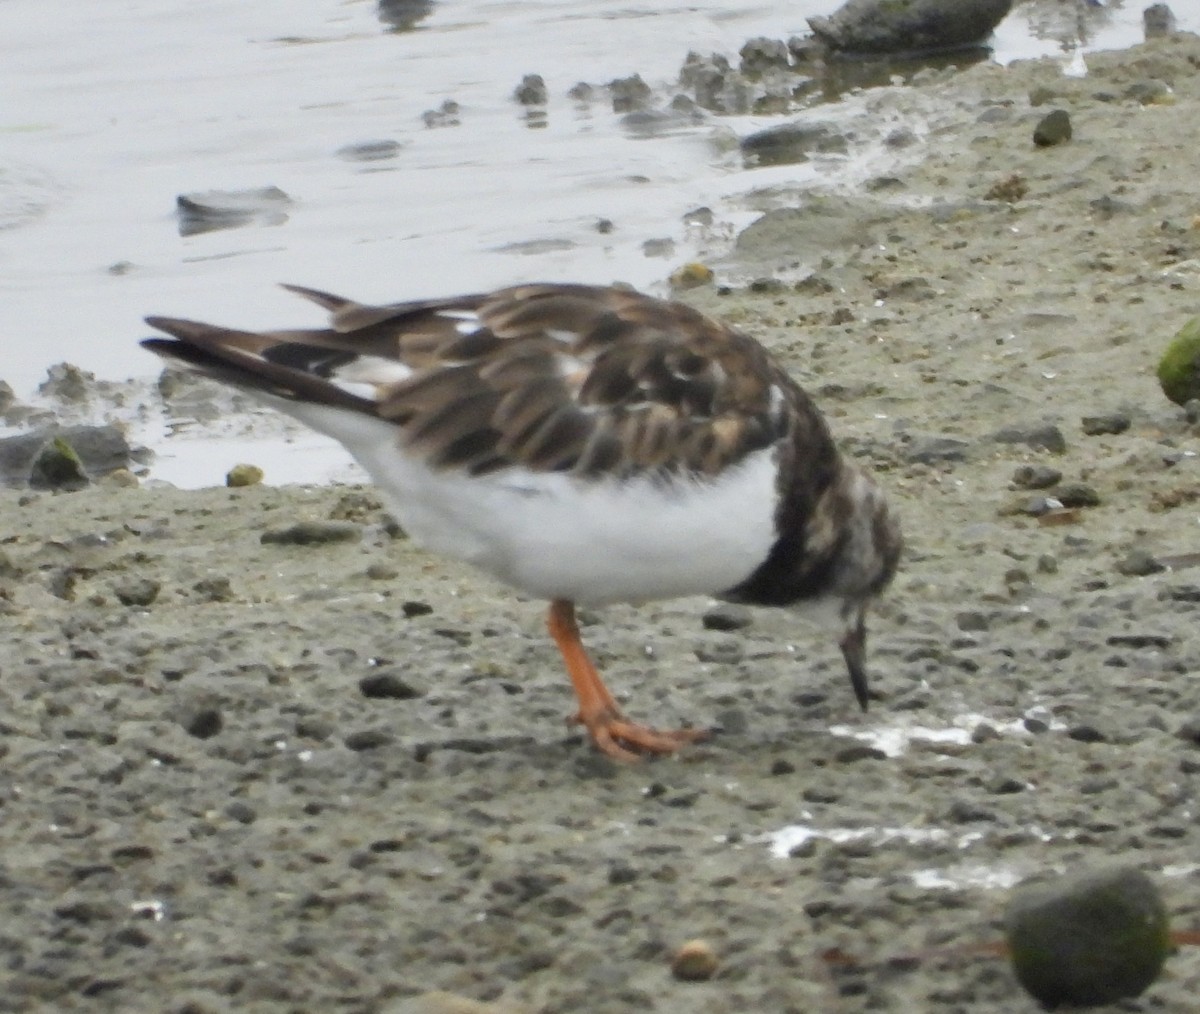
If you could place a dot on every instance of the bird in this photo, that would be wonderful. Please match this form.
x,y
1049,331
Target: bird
x,y
586,445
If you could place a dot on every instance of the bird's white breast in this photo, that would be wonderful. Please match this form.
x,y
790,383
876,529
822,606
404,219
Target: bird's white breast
x,y
556,536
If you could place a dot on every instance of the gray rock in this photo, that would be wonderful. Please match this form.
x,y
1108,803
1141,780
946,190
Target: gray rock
x,y
1036,476
370,151
916,26
403,15
1053,128
727,616
531,91
210,210
759,55
792,143
1045,436
1158,20
1138,563
100,450
629,93
1110,422
312,533
937,450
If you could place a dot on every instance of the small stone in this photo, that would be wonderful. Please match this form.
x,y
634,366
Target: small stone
x,y
629,93
1111,422
368,739
1138,563
312,533
1158,20
413,608
1045,436
214,589
1077,494
243,475
1053,128
727,617
695,961
531,91
370,151
1084,733
138,591
691,276
241,811
1036,476
387,686
1088,939
203,723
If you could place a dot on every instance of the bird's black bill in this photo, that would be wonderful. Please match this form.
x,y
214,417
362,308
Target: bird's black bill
x,y
854,651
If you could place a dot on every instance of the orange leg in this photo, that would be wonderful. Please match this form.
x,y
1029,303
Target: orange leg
x,y
598,712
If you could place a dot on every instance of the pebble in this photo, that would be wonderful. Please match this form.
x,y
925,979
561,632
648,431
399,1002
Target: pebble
x,y
727,616
1111,422
1138,563
1036,477
138,591
1053,128
695,961
368,739
531,91
243,475
312,533
387,686
1045,436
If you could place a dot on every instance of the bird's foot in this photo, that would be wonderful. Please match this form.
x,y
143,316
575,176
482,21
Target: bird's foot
x,y
626,741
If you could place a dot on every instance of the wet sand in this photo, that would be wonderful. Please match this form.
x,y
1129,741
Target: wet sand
x,y
248,776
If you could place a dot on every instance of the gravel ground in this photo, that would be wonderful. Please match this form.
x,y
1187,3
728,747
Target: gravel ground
x,y
333,775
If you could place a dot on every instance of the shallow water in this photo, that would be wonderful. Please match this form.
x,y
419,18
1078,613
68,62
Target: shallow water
x,y
118,115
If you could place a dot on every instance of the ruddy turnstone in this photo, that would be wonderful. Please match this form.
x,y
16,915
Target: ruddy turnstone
x,y
585,445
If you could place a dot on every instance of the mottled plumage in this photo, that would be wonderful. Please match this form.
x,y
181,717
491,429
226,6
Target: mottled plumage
x,y
583,444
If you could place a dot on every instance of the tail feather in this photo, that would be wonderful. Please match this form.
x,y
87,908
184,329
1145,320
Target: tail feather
x,y
237,358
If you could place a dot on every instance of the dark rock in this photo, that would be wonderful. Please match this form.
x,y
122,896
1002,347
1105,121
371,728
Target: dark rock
x,y
203,722
759,55
791,143
413,608
1035,476
241,811
1053,128
1077,494
964,811
1084,733
370,151
715,85
403,15
368,739
387,686
100,450
936,450
1088,939
1158,20
1046,437
911,26
859,752
214,589
727,617
629,93
211,210
312,533
531,91
1111,422
446,115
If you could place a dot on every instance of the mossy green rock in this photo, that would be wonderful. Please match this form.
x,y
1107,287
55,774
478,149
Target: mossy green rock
x,y
1088,939
1179,368
243,475
57,466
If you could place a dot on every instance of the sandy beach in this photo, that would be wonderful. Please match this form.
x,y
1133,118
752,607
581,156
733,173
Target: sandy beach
x,y
324,771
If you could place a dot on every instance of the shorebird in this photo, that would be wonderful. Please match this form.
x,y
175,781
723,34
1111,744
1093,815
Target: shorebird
x,y
583,444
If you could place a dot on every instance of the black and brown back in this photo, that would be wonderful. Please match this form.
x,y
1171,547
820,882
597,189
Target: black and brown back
x,y
591,381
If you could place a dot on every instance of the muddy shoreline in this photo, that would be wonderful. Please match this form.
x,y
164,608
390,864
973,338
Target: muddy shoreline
x,y
270,776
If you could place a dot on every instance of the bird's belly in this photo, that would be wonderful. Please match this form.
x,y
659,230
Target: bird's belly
x,y
554,536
